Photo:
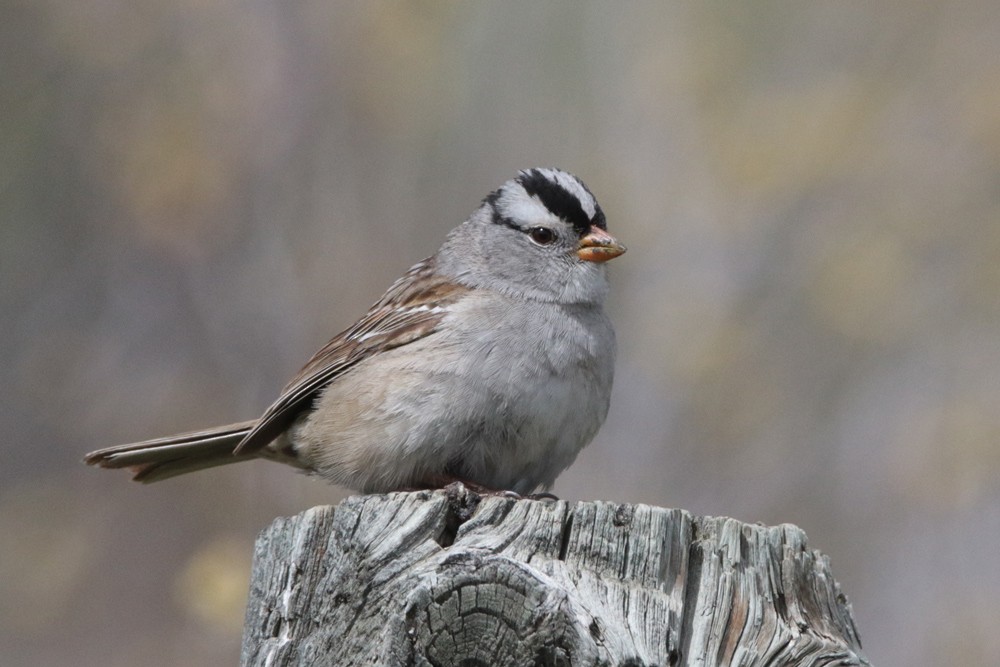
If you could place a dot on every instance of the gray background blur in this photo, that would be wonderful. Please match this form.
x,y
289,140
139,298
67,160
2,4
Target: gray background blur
x,y
195,195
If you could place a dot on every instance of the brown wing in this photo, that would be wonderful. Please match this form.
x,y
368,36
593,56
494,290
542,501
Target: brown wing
x,y
411,309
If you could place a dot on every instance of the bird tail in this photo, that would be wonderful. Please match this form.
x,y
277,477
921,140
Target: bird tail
x,y
162,458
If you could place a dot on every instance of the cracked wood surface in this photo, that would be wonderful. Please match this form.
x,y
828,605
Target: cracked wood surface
x,y
449,578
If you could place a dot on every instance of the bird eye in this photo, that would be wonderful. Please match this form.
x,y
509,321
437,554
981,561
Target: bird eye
x,y
542,235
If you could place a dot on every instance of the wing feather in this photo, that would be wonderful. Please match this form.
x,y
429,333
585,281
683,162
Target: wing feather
x,y
411,309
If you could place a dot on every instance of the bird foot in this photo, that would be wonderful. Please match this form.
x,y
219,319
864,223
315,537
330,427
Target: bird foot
x,y
454,484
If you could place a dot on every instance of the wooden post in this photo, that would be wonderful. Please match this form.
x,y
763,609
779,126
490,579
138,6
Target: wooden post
x,y
450,578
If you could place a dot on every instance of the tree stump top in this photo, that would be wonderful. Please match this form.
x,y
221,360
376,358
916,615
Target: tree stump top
x,y
450,578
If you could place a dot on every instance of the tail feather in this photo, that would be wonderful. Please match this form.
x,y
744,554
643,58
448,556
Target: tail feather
x,y
162,458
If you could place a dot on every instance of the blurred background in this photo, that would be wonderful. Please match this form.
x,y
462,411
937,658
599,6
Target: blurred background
x,y
194,196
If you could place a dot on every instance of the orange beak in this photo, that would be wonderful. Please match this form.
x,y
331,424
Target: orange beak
x,y
599,246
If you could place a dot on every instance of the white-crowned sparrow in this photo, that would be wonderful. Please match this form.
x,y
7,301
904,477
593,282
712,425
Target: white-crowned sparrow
x,y
490,362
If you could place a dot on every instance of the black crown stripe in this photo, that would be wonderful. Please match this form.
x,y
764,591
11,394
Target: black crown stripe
x,y
560,201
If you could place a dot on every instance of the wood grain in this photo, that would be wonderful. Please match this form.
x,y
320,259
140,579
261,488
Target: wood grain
x,y
449,578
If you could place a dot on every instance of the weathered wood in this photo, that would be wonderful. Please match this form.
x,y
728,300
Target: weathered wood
x,y
448,578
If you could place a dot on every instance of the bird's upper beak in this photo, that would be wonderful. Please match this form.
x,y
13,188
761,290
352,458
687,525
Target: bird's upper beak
x,y
599,246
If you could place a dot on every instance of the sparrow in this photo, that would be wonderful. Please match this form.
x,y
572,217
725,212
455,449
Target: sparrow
x,y
489,363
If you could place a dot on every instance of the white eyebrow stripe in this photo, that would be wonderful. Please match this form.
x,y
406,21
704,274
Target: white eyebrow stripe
x,y
518,205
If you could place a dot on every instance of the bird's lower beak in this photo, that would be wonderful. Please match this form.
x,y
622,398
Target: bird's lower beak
x,y
599,246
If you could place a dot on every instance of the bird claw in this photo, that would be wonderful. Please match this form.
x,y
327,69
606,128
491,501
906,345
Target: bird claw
x,y
456,486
